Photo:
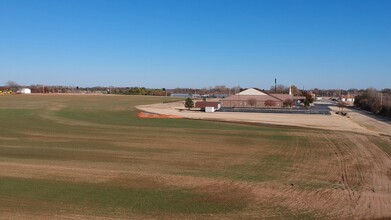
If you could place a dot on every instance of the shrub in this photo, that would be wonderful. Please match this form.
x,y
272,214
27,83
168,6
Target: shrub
x,y
270,103
252,102
288,102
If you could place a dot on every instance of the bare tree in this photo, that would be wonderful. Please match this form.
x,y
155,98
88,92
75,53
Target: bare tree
x,y
220,88
341,105
235,89
279,89
270,103
309,98
375,101
252,102
288,102
376,107
295,91
13,85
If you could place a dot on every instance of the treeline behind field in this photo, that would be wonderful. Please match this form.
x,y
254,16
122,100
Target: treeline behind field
x,y
378,102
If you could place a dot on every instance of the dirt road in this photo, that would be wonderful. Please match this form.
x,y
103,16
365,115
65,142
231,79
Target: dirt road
x,y
355,121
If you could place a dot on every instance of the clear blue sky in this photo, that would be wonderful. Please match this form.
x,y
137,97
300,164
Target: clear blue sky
x,y
196,43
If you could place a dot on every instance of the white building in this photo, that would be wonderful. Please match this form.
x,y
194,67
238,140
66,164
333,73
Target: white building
x,y
25,91
347,98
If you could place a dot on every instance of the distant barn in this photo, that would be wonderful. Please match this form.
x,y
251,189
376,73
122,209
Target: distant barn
x,y
208,106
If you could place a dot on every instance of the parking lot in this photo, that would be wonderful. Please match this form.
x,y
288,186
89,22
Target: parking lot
x,y
318,108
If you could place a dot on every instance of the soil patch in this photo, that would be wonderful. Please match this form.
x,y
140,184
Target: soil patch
x,y
153,115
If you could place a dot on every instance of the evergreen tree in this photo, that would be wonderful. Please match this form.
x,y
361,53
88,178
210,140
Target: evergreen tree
x,y
189,103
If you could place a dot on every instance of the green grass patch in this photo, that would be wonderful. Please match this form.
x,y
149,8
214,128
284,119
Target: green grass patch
x,y
129,118
266,168
59,154
106,200
285,213
281,137
311,185
383,144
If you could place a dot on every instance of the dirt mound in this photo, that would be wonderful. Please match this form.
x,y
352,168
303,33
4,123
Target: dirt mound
x,y
152,115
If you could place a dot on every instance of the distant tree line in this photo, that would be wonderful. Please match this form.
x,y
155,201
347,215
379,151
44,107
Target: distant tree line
x,y
222,89
13,86
378,102
138,91
336,92
282,89
66,89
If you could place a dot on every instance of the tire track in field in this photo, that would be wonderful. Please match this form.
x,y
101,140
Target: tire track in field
x,y
313,166
343,152
363,168
375,197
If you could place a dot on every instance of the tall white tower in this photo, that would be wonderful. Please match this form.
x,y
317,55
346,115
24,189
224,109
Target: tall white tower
x,y
290,88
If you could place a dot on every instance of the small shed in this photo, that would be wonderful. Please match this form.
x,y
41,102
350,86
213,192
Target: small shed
x,y
25,91
210,109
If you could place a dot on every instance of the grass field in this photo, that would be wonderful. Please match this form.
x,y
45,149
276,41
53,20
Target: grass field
x,y
64,156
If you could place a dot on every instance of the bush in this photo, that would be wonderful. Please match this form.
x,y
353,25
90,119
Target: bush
x,y
288,102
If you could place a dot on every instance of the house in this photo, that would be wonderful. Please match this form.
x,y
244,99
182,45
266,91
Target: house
x,y
347,98
24,91
256,98
208,106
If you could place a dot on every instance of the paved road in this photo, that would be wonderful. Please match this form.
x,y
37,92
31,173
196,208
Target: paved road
x,y
357,110
371,115
322,109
